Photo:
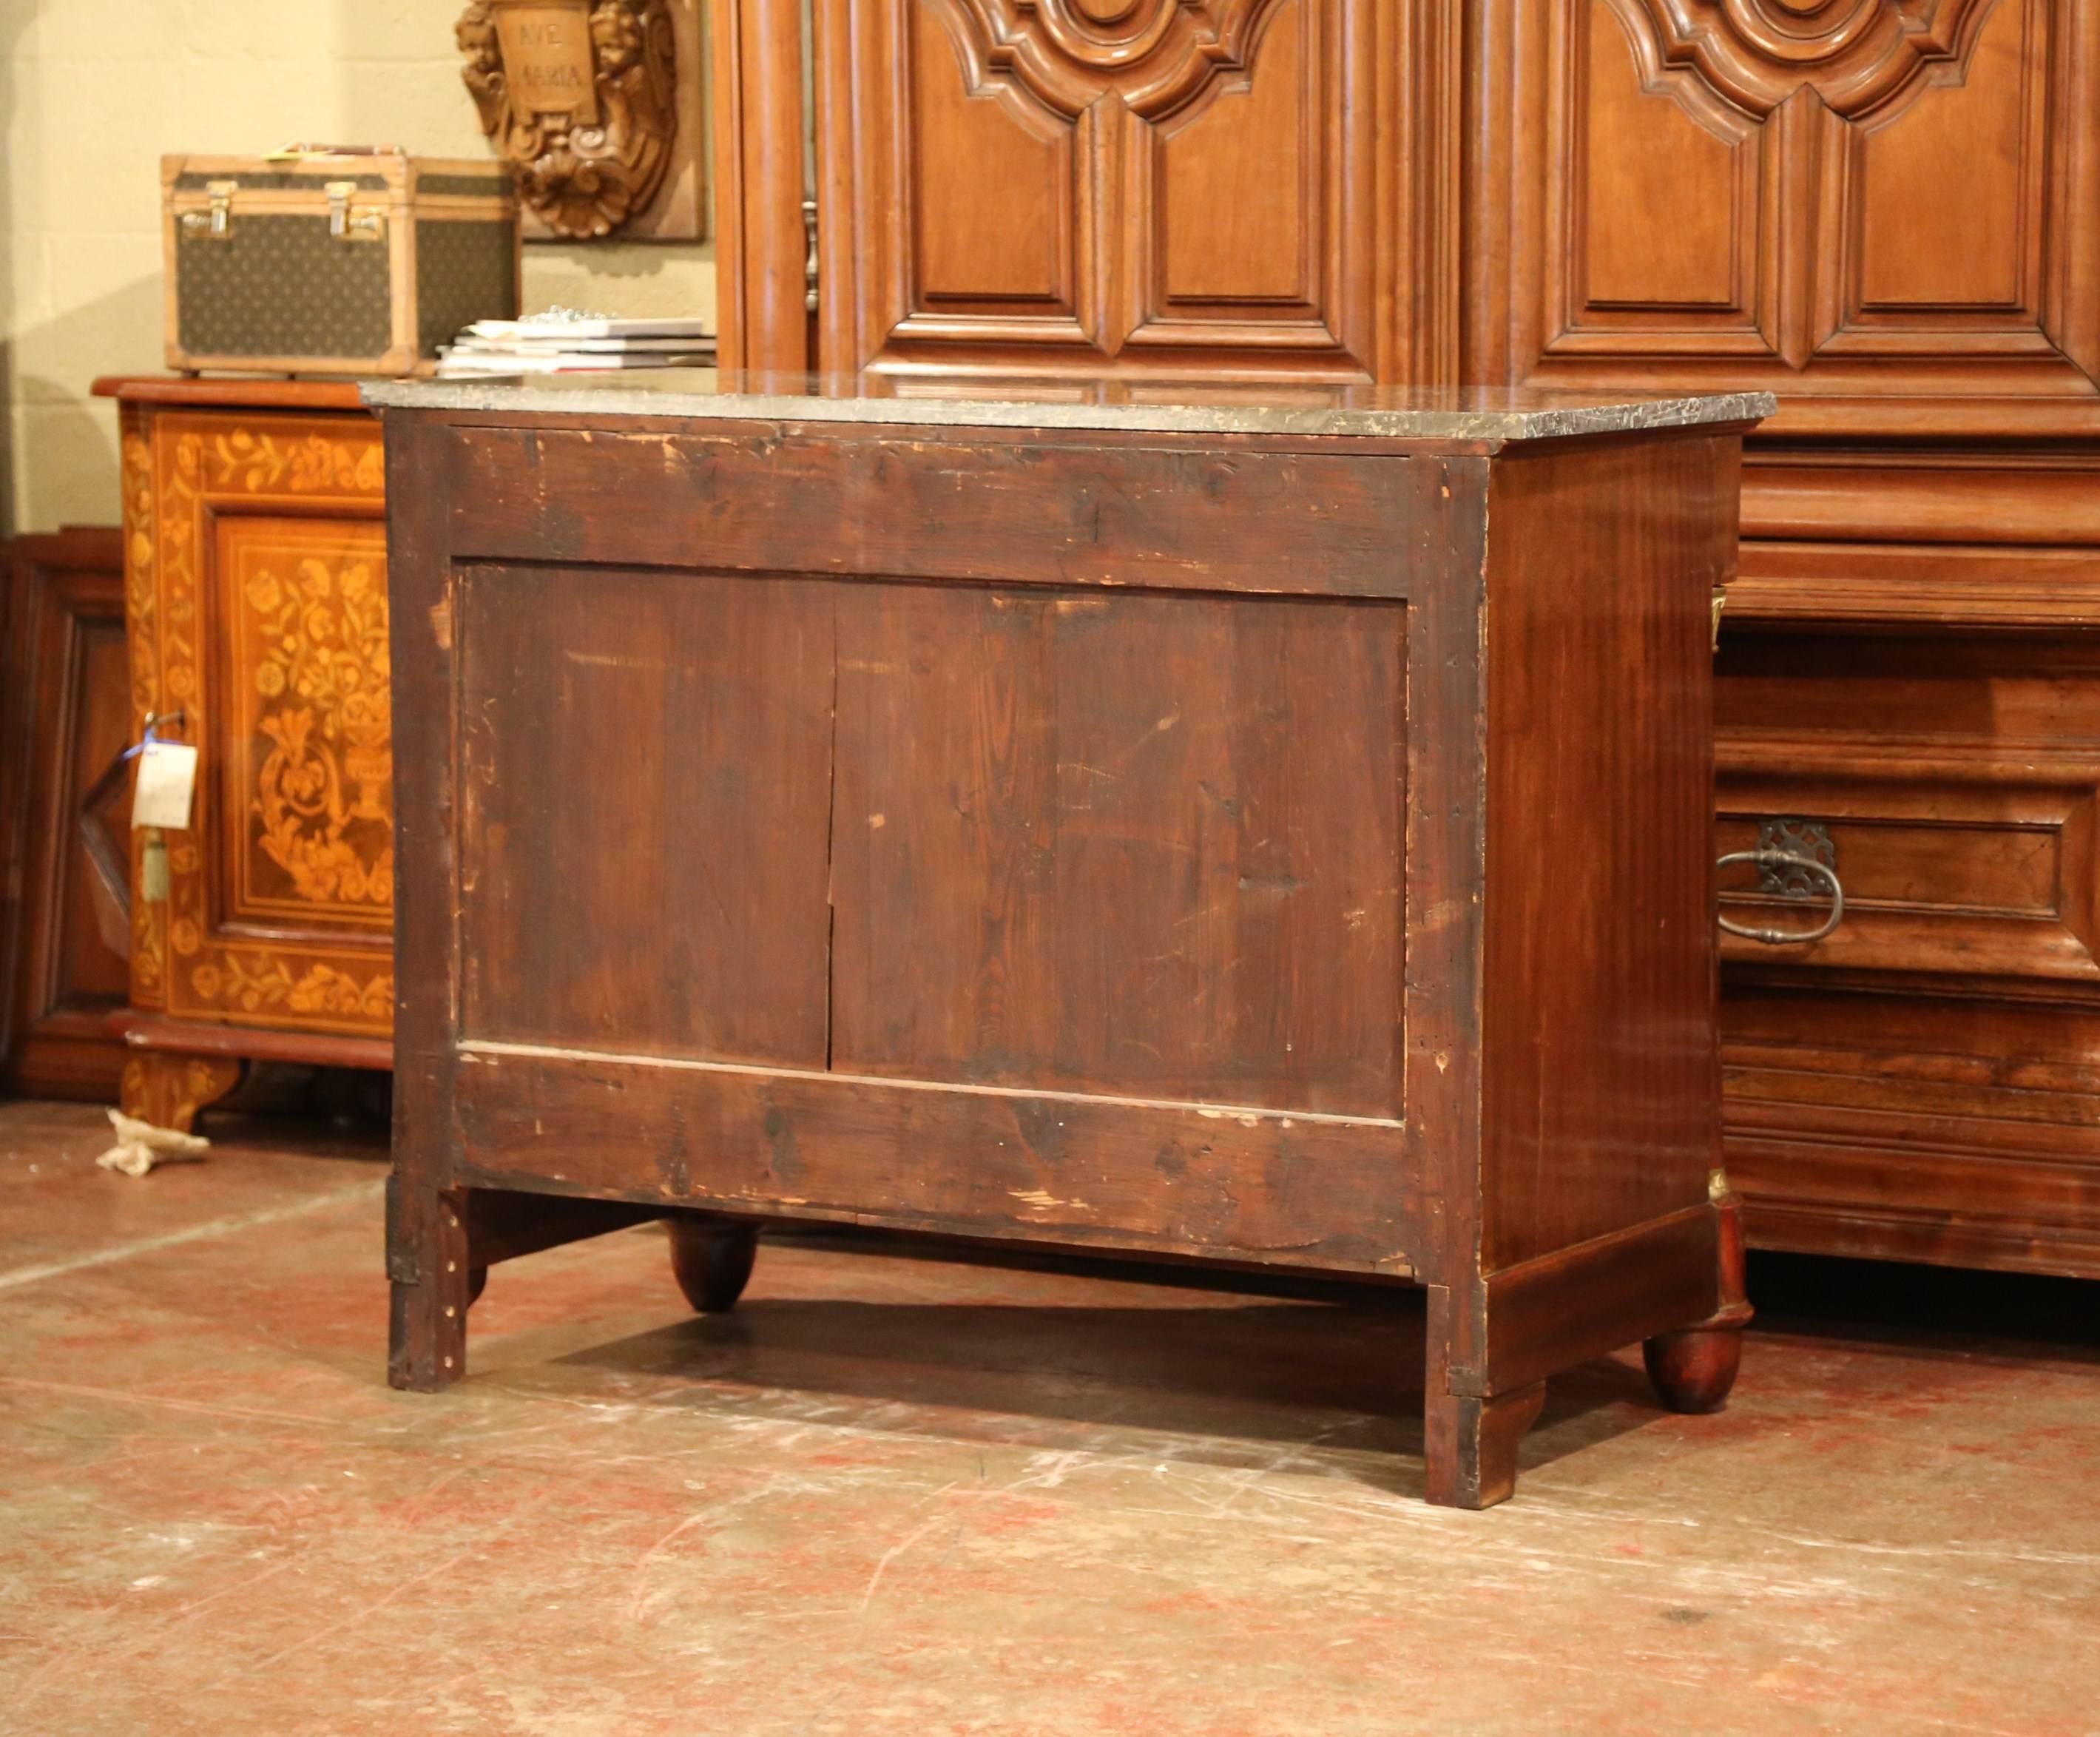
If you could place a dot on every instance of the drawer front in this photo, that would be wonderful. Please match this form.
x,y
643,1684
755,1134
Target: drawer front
x,y
257,604
1956,776
1949,869
1977,499
1923,1128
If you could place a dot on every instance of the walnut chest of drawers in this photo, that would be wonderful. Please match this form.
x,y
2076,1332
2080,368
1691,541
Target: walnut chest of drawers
x,y
1255,833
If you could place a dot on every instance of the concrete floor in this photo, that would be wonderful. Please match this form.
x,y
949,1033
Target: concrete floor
x,y
894,1494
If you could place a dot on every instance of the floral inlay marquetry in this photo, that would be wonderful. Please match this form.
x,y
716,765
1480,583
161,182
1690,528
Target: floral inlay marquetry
x,y
315,660
257,561
149,940
265,463
256,982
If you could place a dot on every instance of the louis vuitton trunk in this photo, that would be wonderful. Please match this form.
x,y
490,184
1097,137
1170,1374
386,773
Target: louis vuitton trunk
x,y
333,260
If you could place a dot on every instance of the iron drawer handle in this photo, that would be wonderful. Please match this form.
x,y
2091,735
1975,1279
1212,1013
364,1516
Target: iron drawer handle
x,y
1788,860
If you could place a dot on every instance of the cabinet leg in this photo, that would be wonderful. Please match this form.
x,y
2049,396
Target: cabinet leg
x,y
434,1283
170,1091
1693,1367
711,1258
1469,1445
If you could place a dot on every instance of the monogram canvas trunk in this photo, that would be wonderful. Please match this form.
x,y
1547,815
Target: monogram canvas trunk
x,y
333,261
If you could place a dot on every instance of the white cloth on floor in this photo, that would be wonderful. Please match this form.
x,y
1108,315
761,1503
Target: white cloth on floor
x,y
140,1145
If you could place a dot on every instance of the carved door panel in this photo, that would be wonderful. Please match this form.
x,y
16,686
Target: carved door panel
x,y
1127,186
259,606
63,716
1859,199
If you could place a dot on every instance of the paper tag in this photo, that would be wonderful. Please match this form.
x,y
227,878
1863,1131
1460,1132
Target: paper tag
x,y
167,775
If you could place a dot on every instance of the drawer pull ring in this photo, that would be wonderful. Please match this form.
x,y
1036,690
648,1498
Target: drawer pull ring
x,y
1794,864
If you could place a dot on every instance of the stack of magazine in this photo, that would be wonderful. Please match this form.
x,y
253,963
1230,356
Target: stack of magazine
x,y
563,340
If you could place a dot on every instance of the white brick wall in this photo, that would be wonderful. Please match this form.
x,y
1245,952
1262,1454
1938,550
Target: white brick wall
x,y
93,92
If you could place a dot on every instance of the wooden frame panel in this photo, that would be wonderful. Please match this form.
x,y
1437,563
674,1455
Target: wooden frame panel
x,y
755,57
1376,241
1849,320
65,712
1073,1168
1593,996
593,503
1579,321
301,767
2030,367
708,933
1108,843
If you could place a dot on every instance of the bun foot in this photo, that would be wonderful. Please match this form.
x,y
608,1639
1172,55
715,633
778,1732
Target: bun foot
x,y
711,1258
1693,1368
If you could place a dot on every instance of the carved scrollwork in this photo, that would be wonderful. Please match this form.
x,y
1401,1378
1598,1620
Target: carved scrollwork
x,y
1156,56
1856,55
581,96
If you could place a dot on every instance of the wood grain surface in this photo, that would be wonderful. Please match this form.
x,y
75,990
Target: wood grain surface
x,y
1140,844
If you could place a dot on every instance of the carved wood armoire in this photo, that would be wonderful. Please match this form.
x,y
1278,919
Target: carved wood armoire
x,y
255,605
1888,211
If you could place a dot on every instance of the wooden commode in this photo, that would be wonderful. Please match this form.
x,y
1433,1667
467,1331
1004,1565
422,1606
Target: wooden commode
x,y
255,604
1259,828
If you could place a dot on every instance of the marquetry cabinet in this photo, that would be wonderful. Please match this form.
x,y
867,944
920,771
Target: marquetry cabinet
x,y
1886,211
255,603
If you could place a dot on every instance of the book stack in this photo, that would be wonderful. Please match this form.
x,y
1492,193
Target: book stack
x,y
563,340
